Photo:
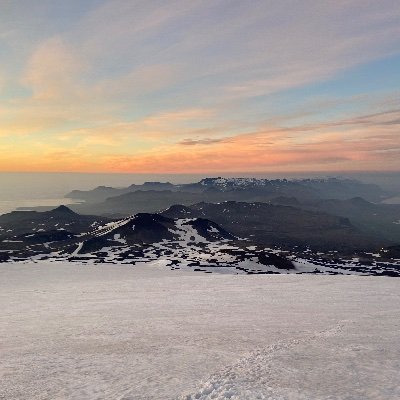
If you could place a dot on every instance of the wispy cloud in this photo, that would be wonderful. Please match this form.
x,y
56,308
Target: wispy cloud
x,y
168,84
52,70
205,141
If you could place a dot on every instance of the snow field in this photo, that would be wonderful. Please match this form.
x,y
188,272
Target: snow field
x,y
83,332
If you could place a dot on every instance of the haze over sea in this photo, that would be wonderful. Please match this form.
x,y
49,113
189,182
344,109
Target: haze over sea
x,y
20,189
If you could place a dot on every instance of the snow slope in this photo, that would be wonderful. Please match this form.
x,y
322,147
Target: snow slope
x,y
82,332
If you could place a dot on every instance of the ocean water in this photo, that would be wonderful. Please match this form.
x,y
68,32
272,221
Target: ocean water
x,y
393,200
49,189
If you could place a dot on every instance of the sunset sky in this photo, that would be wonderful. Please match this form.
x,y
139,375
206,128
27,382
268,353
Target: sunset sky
x,y
199,86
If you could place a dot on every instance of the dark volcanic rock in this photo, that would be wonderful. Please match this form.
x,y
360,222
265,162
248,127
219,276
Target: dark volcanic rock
x,y
276,260
284,226
374,220
4,257
391,252
61,218
147,228
210,230
45,237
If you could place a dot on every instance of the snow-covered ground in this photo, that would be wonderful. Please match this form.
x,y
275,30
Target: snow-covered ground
x,y
124,332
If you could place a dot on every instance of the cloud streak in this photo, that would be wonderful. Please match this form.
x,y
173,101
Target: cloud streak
x,y
330,148
205,141
164,85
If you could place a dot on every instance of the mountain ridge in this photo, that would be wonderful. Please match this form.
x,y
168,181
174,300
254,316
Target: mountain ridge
x,y
306,188
194,243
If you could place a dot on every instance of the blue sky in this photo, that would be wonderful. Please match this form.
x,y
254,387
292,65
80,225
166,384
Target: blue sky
x,y
199,86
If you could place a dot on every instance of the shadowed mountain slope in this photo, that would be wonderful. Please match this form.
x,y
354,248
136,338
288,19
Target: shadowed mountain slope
x,y
283,226
377,220
188,242
61,218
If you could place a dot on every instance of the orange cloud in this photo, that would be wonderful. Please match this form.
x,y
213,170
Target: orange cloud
x,y
257,152
184,141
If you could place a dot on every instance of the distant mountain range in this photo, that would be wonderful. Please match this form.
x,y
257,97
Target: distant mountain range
x,y
247,189
103,192
312,217
218,224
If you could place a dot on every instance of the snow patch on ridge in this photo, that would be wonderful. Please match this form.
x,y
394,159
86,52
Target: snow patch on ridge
x,y
187,233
